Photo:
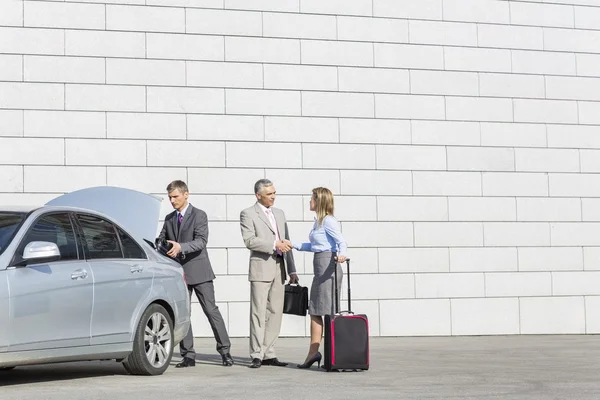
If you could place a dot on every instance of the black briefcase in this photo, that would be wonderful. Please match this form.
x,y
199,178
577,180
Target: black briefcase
x,y
295,300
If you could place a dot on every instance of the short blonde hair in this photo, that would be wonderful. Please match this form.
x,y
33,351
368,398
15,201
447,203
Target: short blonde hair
x,y
323,203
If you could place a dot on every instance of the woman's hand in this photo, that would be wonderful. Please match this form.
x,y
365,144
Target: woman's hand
x,y
341,259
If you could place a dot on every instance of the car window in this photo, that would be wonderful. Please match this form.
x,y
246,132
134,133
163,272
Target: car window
x,y
130,248
9,222
54,228
100,237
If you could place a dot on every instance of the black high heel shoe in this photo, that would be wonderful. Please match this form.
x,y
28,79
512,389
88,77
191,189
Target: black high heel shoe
x,y
314,359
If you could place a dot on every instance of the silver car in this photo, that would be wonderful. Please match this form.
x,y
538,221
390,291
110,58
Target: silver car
x,y
78,284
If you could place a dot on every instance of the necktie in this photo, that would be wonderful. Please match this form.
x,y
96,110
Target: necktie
x,y
179,219
274,226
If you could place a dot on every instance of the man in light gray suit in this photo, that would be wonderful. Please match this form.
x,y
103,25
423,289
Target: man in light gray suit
x,y
186,229
265,233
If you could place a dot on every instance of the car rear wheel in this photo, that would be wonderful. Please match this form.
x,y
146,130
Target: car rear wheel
x,y
153,343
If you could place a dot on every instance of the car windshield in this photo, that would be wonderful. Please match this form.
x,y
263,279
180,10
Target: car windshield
x,y
9,222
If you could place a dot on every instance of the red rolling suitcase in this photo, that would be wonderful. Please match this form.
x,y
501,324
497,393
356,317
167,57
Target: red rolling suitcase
x,y
346,336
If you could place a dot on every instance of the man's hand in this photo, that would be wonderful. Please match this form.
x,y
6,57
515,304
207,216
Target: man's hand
x,y
175,250
341,259
283,245
294,278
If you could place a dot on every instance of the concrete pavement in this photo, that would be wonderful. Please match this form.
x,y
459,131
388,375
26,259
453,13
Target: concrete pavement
x,y
505,367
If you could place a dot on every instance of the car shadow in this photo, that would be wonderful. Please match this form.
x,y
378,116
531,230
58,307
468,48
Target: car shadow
x,y
61,371
214,359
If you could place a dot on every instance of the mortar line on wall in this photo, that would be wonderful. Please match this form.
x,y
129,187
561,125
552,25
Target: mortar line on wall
x,y
585,314
484,285
374,105
451,327
545,90
105,14
512,106
373,51
519,312
378,316
543,38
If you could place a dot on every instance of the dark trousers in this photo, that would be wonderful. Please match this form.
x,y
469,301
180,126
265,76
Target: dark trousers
x,y
205,292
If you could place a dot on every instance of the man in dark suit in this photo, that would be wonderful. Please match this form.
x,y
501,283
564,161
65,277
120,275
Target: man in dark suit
x,y
186,229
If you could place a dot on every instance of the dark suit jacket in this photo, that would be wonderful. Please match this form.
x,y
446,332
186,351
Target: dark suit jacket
x,y
192,235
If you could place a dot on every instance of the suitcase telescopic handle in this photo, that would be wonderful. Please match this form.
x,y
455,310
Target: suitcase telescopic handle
x,y
349,311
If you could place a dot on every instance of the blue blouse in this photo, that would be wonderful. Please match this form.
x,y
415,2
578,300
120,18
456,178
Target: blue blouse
x,y
326,237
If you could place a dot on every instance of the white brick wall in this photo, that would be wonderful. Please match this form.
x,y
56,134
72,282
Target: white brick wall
x,y
460,137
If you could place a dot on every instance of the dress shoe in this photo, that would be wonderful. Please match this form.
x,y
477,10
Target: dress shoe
x,y
186,362
274,362
227,360
255,363
314,359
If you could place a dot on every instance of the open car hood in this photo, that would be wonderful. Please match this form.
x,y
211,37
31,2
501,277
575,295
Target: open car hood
x,y
136,212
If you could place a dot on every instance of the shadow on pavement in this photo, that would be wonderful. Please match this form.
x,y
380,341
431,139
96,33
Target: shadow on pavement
x,y
57,372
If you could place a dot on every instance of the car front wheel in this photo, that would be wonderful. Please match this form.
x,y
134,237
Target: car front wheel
x,y
153,343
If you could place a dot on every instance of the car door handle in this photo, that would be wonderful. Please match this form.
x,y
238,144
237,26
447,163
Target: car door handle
x,y
79,274
136,268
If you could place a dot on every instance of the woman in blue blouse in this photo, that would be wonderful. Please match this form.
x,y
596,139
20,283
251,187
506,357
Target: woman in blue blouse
x,y
329,248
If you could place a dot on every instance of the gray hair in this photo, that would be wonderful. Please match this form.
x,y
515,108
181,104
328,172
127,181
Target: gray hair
x,y
260,184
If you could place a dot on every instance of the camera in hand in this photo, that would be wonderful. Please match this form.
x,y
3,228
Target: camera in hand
x,y
163,246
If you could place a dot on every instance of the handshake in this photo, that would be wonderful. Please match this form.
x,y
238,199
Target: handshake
x,y
283,245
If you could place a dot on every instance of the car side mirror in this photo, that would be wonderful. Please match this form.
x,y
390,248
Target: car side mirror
x,y
40,252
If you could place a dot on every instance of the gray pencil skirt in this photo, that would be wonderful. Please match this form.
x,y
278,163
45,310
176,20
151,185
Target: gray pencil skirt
x,y
322,295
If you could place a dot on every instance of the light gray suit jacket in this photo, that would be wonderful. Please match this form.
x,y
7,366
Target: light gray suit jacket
x,y
192,235
259,237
